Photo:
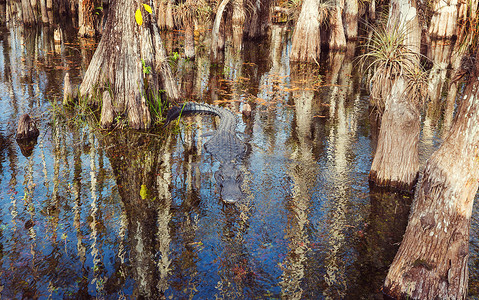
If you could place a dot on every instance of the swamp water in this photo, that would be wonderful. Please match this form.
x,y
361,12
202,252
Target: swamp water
x,y
90,213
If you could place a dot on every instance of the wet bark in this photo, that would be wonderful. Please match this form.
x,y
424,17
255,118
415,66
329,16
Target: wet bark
x,y
119,63
306,42
26,128
432,260
444,20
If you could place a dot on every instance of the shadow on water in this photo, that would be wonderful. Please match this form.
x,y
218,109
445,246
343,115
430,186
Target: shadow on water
x,y
123,214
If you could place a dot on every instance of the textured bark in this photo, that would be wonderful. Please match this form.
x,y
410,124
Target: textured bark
x,y
337,40
28,15
351,10
444,20
118,64
189,40
107,111
432,260
396,161
85,17
306,42
170,23
258,20
238,19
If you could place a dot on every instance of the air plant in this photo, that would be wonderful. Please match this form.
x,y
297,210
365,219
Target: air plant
x,y
388,56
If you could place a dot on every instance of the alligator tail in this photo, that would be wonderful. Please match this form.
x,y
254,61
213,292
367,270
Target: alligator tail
x,y
190,108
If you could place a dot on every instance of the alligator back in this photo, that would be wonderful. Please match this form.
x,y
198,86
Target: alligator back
x,y
190,108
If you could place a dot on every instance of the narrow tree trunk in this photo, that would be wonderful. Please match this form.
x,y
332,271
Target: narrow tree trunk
x,y
337,38
396,161
444,20
170,23
43,10
238,19
432,260
131,61
258,20
351,10
85,17
216,29
28,15
189,40
306,42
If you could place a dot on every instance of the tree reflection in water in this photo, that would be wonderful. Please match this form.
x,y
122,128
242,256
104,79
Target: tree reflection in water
x,y
127,214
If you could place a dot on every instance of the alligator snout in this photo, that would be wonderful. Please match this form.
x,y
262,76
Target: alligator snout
x,y
229,185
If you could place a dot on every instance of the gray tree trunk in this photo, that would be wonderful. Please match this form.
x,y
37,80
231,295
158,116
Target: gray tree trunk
x,y
431,262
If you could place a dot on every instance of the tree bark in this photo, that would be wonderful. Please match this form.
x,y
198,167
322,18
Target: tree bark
x,y
189,40
351,10
338,38
85,17
396,161
306,42
238,20
432,260
131,61
216,29
444,20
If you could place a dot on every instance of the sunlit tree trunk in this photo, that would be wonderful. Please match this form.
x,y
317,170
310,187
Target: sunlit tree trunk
x,y
444,20
337,37
238,20
189,39
169,20
396,160
306,42
432,260
351,10
131,62
85,17
28,15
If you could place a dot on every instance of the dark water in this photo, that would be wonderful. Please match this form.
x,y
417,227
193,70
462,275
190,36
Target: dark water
x,y
136,215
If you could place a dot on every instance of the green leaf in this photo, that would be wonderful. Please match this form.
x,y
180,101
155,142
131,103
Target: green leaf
x,y
147,8
143,192
138,17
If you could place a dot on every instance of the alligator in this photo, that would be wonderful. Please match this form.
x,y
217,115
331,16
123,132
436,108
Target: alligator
x,y
224,146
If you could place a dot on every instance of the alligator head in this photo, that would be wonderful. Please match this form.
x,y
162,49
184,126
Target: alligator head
x,y
229,181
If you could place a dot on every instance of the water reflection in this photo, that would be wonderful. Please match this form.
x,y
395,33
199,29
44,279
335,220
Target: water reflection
x,y
92,213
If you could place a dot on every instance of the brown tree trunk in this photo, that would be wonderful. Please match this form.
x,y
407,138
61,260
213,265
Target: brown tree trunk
x,y
444,20
351,10
215,31
306,42
337,40
85,17
432,260
169,20
189,40
238,19
28,15
258,20
130,61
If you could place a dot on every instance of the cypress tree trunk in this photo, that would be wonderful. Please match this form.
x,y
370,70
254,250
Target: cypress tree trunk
x,y
396,161
351,10
189,39
85,17
238,20
432,260
338,38
215,31
306,42
444,20
131,61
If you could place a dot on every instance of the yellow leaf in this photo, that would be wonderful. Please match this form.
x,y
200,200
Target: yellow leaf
x,y
138,17
147,8
144,192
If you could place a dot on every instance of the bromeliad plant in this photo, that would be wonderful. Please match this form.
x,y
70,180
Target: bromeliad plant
x,y
388,56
